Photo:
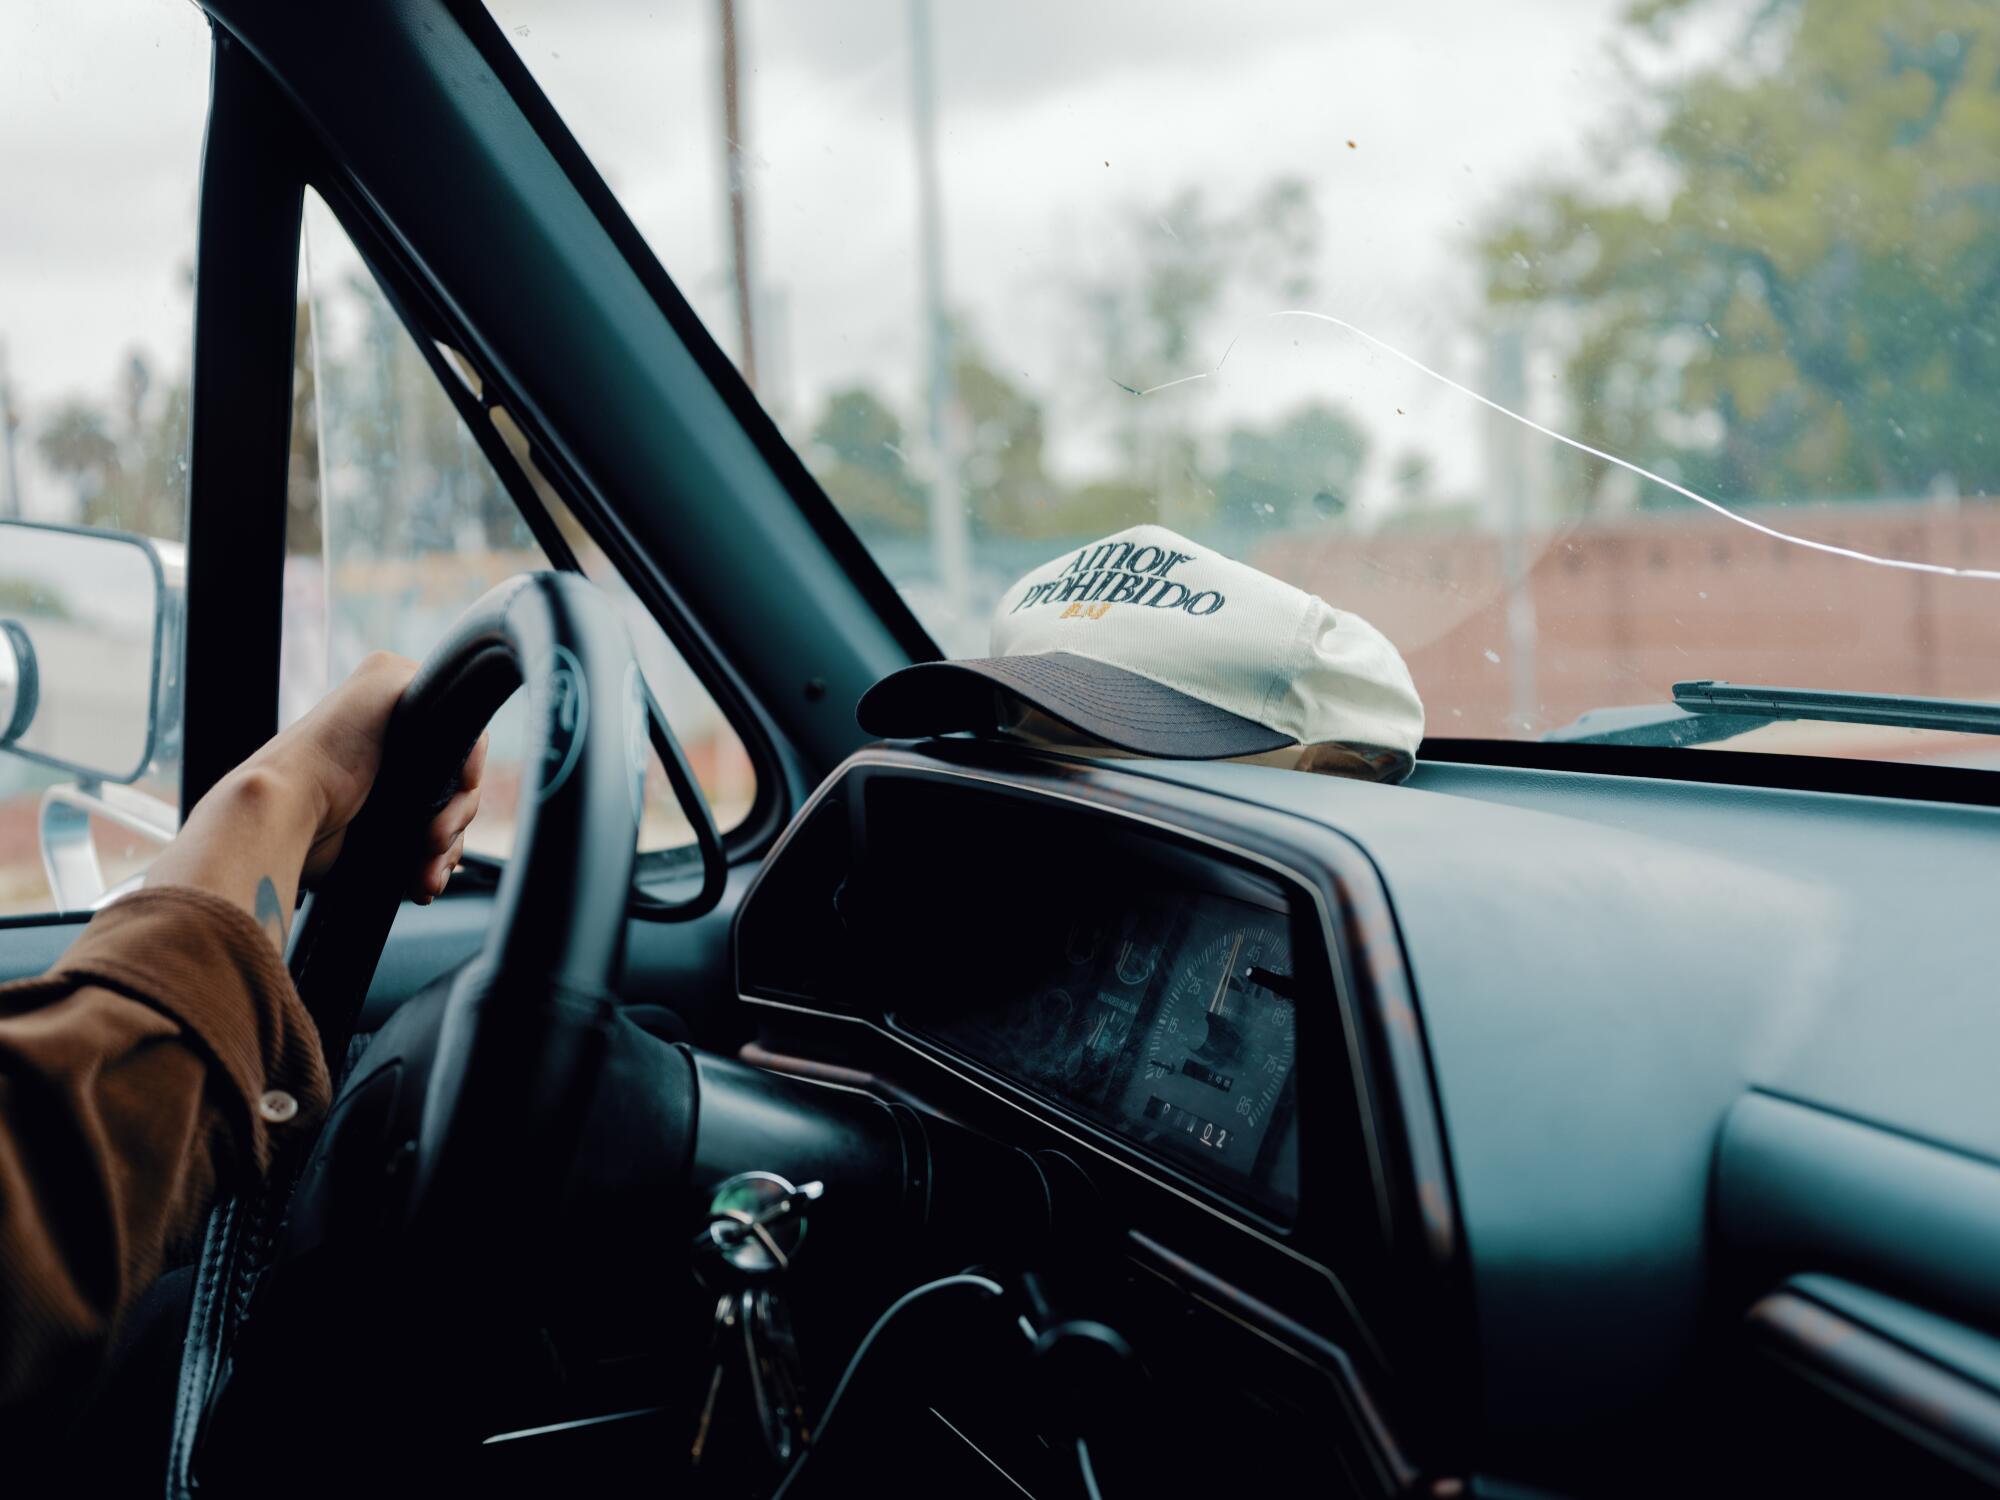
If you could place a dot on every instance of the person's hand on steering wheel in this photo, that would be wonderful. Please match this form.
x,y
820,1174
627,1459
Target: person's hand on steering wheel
x,y
278,819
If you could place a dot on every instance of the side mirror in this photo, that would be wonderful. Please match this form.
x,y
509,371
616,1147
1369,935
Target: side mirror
x,y
82,621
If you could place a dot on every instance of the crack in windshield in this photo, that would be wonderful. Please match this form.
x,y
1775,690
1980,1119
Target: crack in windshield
x,y
1830,549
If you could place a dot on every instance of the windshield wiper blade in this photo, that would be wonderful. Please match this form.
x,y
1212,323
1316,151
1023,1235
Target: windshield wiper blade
x,y
1959,715
1706,711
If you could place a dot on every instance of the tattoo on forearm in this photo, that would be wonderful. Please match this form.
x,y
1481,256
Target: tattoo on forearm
x,y
271,912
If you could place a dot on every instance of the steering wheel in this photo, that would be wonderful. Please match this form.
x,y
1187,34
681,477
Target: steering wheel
x,y
524,1026
498,1208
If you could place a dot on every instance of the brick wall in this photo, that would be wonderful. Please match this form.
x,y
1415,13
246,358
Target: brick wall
x,y
1624,608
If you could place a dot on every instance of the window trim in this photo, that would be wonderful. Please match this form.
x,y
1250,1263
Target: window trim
x,y
239,418
806,492
424,316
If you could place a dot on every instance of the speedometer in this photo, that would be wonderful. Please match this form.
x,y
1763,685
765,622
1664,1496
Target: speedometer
x,y
1218,1054
1167,1020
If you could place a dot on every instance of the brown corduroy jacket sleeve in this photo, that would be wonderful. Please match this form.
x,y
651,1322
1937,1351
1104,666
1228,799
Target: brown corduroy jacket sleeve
x,y
133,1078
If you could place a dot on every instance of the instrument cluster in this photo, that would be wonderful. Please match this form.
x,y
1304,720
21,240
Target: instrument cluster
x,y
1168,1020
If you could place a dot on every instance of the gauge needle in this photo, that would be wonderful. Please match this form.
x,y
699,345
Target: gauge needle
x,y
1228,969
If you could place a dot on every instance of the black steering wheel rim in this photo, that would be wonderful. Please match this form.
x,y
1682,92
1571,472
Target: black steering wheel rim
x,y
519,1056
577,825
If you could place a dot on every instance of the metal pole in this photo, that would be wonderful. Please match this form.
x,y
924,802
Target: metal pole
x,y
739,211
1507,378
950,542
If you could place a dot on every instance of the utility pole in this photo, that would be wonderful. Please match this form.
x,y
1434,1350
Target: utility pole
x,y
1507,380
10,425
950,537
739,209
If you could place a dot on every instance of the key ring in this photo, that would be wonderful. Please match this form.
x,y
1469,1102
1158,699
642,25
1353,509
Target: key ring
x,y
757,1221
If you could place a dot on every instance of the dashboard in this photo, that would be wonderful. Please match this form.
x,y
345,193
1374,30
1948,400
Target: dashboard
x,y
1545,1117
1168,995
1199,1011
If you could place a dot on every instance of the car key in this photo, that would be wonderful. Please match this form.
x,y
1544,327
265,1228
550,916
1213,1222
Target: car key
x,y
756,1225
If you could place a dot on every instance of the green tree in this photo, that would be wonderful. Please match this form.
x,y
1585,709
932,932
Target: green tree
x,y
1815,308
302,497
415,480
127,466
1298,472
1006,489
1176,269
857,454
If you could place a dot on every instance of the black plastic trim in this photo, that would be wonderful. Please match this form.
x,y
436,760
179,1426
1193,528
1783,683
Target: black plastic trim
x,y
1391,1467
1919,1398
240,424
77,919
1803,773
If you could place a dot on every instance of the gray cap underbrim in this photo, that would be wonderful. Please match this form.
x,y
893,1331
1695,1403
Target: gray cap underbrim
x,y
1108,703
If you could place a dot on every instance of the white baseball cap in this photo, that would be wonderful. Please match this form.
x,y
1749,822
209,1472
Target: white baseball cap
x,y
1154,644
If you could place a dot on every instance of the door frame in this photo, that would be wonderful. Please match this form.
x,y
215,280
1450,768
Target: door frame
x,y
240,418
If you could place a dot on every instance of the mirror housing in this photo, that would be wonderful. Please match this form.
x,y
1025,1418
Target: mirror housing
x,y
82,626
19,682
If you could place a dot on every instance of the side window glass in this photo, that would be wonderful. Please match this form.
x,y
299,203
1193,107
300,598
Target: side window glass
x,y
100,162
397,522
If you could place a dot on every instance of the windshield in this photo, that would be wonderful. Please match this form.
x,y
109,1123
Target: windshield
x,y
1585,349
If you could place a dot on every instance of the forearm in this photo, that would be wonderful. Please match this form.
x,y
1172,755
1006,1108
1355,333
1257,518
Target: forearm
x,y
247,842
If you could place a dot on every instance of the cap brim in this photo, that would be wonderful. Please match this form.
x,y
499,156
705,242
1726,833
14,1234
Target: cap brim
x,y
1107,703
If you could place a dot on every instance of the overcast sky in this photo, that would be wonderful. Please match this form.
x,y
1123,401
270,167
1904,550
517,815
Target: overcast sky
x,y
1059,119
101,110
1452,106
